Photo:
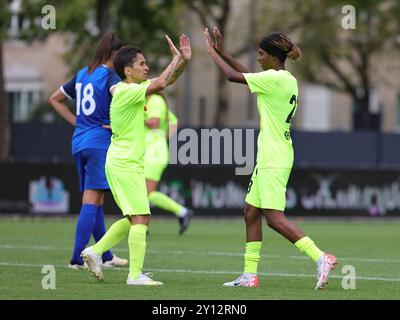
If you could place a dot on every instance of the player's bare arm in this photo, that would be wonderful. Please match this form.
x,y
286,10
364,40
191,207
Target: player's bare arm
x,y
230,73
218,45
186,54
174,69
152,123
57,101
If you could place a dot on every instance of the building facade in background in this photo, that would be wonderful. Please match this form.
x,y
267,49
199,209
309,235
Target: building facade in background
x,y
34,71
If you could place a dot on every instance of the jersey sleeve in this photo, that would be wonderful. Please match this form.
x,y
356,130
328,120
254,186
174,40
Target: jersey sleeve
x,y
172,119
155,106
136,93
68,89
262,82
113,79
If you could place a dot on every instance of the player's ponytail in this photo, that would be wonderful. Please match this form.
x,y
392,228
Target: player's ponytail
x,y
280,46
108,44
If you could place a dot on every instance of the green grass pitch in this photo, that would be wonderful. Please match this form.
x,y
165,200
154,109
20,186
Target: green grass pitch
x,y
195,265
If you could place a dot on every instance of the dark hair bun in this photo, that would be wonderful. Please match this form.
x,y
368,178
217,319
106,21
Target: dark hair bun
x,y
294,54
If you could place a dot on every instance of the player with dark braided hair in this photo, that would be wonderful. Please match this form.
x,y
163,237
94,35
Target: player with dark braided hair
x,y
277,93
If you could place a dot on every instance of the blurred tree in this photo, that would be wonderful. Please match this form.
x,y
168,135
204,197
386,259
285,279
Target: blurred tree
x,y
345,60
217,13
141,22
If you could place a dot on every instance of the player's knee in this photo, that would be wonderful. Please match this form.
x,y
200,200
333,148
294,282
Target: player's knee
x,y
251,214
95,197
141,219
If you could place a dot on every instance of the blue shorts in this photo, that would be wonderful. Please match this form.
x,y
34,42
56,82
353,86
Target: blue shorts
x,y
91,169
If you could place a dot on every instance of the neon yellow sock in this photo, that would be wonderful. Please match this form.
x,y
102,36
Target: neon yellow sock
x,y
137,249
164,202
307,246
252,256
113,236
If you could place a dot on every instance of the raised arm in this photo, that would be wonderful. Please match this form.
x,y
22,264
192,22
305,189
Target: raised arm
x,y
235,64
57,101
230,73
175,67
186,54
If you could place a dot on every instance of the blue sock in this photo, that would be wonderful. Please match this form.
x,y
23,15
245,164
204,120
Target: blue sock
x,y
99,231
84,229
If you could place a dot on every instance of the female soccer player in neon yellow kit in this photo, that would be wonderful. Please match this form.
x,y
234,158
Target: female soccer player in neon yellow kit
x,y
277,93
91,88
161,123
125,156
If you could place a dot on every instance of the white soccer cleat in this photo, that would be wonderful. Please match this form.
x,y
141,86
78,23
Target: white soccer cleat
x,y
245,280
115,262
93,262
143,280
325,264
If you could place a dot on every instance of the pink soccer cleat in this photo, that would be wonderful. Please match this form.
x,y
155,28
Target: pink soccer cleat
x,y
245,280
325,264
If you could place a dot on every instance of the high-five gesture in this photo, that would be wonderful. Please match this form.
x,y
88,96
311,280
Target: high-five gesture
x,y
218,40
214,41
174,50
232,68
209,41
185,49
180,59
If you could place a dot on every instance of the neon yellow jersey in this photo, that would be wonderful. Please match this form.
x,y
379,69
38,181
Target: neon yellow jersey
x,y
126,150
157,107
277,93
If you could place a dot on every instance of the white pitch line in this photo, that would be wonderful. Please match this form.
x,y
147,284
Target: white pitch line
x,y
211,253
268,274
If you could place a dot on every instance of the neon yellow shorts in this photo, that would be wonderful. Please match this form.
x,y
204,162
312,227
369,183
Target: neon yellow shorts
x,y
129,191
156,159
267,188
154,172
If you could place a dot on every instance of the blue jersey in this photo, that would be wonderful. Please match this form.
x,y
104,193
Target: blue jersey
x,y
92,101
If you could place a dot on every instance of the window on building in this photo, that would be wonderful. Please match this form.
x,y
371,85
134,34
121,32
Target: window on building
x,y
22,104
24,87
316,104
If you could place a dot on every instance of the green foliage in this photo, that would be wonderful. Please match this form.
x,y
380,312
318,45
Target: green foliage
x,y
142,23
30,20
316,27
4,18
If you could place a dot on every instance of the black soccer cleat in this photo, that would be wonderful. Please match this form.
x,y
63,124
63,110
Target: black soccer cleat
x,y
184,221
